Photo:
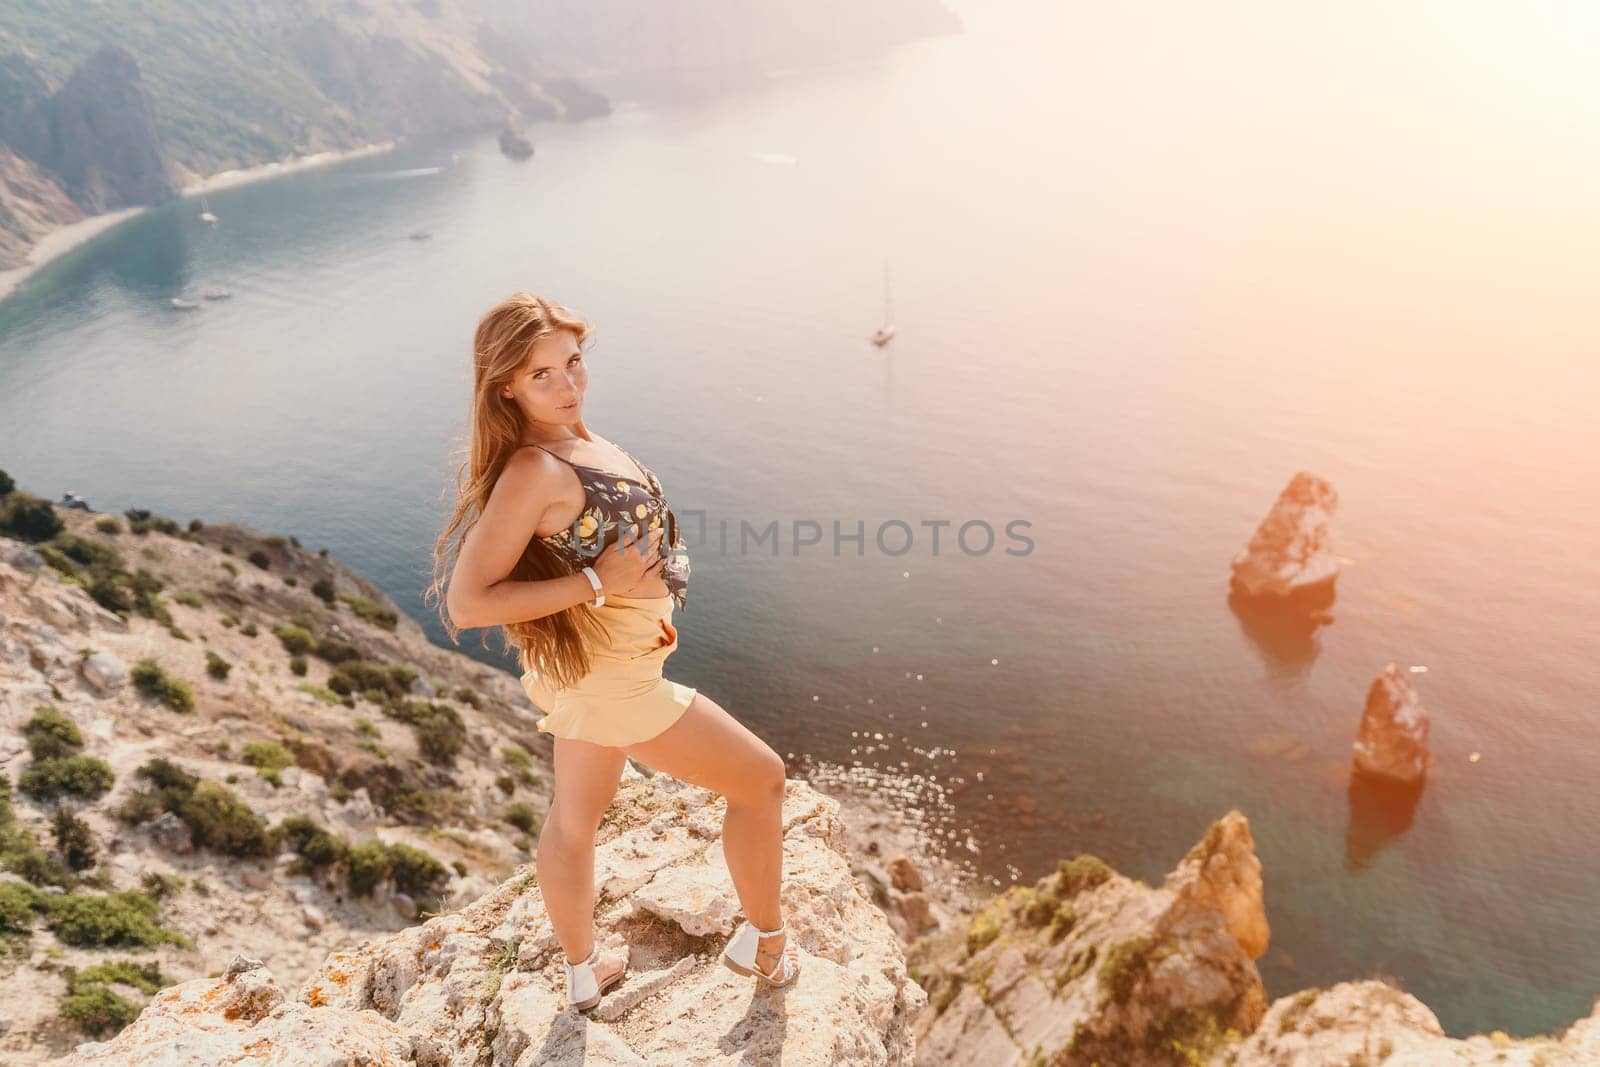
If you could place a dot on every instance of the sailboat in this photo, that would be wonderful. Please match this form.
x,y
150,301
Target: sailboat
x,y
881,335
205,211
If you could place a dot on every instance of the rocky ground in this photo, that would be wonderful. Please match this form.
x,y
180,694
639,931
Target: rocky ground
x,y
484,985
335,866
358,771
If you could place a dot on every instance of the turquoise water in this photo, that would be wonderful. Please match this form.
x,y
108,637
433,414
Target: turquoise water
x,y
1143,270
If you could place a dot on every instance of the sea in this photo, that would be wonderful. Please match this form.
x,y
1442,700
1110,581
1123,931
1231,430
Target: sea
x,y
1145,263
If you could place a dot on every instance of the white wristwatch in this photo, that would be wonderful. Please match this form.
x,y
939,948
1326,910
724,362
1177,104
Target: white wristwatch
x,y
594,580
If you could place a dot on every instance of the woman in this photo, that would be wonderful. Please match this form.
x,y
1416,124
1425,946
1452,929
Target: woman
x,y
563,547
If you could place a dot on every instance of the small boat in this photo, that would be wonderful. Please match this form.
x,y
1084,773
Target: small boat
x,y
420,235
881,335
178,303
205,212
215,294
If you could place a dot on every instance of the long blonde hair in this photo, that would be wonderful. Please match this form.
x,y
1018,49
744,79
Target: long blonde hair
x,y
557,644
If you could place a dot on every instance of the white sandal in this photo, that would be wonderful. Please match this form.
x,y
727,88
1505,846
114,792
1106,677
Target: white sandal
x,y
740,955
583,989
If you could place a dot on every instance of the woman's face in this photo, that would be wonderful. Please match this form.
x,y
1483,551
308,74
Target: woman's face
x,y
550,385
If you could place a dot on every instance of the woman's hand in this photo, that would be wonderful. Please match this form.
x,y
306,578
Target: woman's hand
x,y
624,568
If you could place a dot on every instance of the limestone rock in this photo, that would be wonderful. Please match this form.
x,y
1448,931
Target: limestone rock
x,y
1223,874
1290,550
1088,965
1371,1021
105,671
1392,740
904,874
241,1018
484,985
171,833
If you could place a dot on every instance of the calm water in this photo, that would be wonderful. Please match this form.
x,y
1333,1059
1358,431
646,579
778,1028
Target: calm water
x,y
1144,268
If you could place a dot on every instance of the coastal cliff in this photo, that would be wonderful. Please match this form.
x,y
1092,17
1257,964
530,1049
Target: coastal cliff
x,y
248,810
123,104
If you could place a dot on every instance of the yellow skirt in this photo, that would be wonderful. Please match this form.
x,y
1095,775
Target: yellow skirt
x,y
624,699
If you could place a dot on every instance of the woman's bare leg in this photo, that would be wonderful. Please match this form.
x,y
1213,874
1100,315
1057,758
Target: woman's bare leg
x,y
586,778
710,748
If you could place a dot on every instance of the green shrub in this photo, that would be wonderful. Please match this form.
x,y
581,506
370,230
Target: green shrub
x,y
412,870
260,559
216,666
367,728
216,817
297,641
249,629
127,918
290,580
21,854
145,977
367,865
231,567
322,693
108,524
337,651
323,590
506,784
74,839
522,816
152,681
86,554
78,776
50,733
160,886
1083,871
19,904
141,521
440,732
269,758
371,611
468,697
96,1009
316,847
359,675
190,599
28,518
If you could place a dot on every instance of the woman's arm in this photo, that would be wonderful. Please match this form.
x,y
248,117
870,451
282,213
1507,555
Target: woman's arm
x,y
479,593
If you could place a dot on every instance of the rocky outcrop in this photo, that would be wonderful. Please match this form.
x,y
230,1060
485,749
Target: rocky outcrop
x,y
1290,551
1087,965
1222,874
100,140
1373,1022
484,985
1392,740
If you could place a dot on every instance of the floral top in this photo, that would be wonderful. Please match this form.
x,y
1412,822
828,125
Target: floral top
x,y
614,502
